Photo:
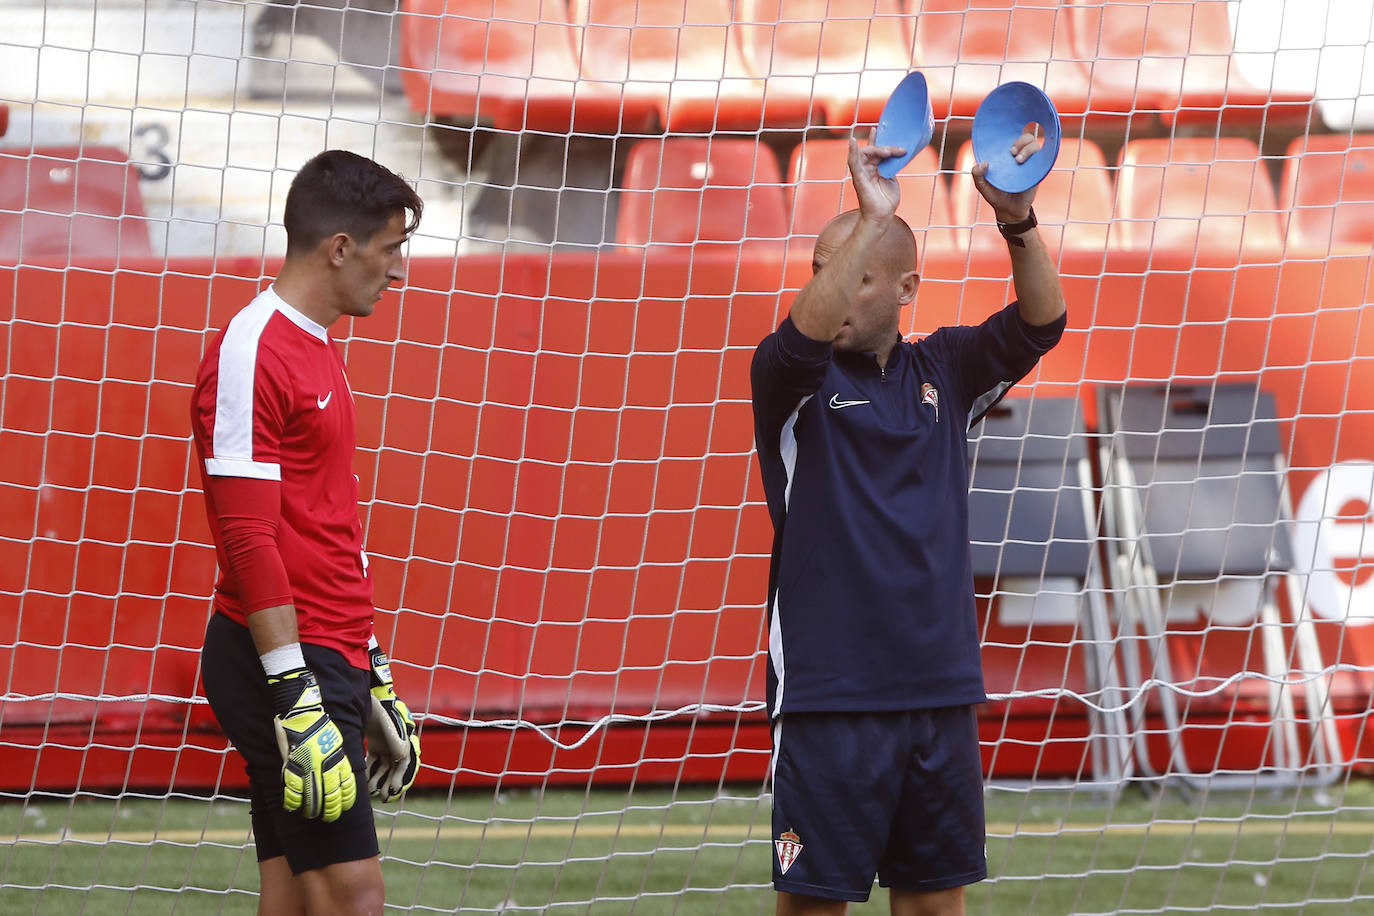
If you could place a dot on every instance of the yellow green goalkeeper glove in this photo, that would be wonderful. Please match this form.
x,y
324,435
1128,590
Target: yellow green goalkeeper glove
x,y
317,779
393,747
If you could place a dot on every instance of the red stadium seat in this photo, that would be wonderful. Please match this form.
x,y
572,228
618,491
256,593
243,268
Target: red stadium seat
x,y
1206,195
821,189
685,59
1073,204
683,190
1328,191
69,202
1173,58
516,70
966,48
845,56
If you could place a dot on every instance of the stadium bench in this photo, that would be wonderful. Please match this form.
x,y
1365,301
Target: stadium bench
x,y
1328,192
843,56
70,202
1174,59
685,59
1206,195
515,71
818,176
684,190
967,49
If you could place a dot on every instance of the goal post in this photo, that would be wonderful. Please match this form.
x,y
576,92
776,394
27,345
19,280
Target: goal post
x,y
562,507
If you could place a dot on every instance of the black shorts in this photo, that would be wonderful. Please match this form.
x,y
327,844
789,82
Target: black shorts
x,y
896,794
236,687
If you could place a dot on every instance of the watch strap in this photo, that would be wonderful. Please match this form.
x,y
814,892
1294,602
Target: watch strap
x,y
1012,231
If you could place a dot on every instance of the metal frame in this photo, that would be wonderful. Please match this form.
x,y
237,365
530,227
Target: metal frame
x,y
1136,582
1048,433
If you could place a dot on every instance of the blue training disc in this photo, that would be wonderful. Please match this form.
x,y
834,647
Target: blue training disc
x,y
907,121
1000,119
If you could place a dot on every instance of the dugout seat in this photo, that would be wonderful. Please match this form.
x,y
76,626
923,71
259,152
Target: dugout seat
x,y
1205,195
685,59
1328,192
1073,204
516,70
1045,624
845,56
818,178
967,48
1174,59
685,190
70,203
1196,530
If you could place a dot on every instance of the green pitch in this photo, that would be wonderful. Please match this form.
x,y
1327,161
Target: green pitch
x,y
653,851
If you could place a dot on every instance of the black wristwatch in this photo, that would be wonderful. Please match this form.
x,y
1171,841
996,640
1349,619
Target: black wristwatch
x,y
1012,231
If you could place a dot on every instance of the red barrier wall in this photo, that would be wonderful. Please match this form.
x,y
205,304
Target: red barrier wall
x,y
559,492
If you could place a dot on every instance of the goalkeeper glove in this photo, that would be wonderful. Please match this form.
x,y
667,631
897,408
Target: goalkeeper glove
x,y
317,778
393,748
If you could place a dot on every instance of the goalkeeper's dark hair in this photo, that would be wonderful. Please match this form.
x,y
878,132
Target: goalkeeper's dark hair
x,y
338,191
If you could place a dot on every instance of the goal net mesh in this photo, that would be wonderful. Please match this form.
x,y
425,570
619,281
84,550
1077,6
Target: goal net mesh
x,y
562,507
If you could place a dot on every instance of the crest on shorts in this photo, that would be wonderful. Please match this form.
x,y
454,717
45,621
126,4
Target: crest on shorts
x,y
789,846
931,395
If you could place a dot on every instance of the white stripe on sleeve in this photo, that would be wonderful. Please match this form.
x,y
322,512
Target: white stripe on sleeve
x,y
787,449
238,356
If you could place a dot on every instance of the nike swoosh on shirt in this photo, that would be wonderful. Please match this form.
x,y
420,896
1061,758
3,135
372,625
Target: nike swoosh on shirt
x,y
837,404
322,402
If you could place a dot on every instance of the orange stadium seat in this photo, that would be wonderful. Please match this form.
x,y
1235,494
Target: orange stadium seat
x,y
1328,191
845,56
683,190
1073,204
70,202
1172,58
1202,194
819,178
966,48
684,58
516,70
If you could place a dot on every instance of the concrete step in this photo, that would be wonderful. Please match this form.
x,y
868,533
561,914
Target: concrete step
x,y
217,114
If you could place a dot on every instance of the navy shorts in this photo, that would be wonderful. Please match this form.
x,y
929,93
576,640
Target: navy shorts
x,y
896,794
237,690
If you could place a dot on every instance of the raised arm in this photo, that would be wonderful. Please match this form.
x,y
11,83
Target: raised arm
x,y
1038,291
820,308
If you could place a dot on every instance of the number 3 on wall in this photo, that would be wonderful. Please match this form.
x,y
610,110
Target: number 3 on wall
x,y
157,165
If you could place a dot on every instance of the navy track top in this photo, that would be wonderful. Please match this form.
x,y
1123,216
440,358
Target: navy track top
x,y
870,592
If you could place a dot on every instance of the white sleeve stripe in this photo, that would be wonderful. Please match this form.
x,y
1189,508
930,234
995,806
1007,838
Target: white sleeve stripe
x,y
775,654
787,449
238,355
984,402
231,467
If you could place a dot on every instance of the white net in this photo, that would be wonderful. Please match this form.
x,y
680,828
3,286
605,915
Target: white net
x,y
560,496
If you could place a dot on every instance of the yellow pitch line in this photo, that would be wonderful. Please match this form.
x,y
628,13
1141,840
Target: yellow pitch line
x,y
1267,827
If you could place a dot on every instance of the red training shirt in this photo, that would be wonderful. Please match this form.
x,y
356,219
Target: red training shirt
x,y
275,429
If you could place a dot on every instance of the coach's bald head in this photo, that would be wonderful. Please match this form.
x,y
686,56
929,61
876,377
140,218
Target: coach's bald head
x,y
889,283
894,255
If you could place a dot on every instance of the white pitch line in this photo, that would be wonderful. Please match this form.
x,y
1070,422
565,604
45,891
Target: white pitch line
x,y
995,831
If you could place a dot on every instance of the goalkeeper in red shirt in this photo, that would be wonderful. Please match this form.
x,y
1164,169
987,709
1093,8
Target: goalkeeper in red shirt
x,y
290,664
